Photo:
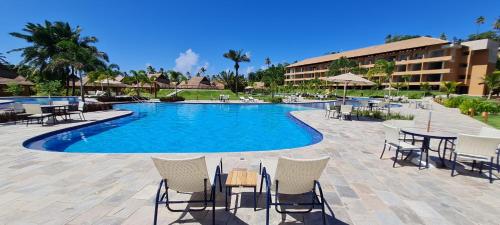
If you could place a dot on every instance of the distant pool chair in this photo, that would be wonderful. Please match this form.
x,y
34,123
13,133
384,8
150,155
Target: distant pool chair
x,y
492,132
251,99
293,177
80,111
328,110
393,139
346,111
476,148
19,112
187,176
243,99
35,113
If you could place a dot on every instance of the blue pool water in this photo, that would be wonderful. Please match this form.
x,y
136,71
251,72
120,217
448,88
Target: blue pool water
x,y
178,128
37,100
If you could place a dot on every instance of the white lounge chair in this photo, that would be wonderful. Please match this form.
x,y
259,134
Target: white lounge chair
x,y
476,148
346,111
19,112
186,175
393,139
293,177
35,113
243,99
251,99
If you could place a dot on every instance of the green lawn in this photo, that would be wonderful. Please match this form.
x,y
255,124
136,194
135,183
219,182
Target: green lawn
x,y
206,94
161,93
493,120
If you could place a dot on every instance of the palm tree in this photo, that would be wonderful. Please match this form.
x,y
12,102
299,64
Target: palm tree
x,y
496,25
3,60
449,87
267,61
425,87
108,73
201,71
150,69
443,36
492,81
138,79
385,68
176,77
237,56
479,21
406,79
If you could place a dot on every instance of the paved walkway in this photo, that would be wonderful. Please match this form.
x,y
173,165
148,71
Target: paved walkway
x,y
38,187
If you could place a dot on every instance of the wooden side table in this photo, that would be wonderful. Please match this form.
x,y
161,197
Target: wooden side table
x,y
241,178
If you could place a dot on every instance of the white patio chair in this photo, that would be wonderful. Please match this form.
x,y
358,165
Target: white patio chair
x,y
492,132
243,99
346,111
35,113
251,99
187,176
294,177
476,148
393,139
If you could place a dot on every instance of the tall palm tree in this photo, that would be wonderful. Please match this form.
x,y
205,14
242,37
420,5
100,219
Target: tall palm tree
x,y
176,77
201,71
385,68
150,69
496,25
237,56
479,21
449,87
138,79
267,61
492,81
3,60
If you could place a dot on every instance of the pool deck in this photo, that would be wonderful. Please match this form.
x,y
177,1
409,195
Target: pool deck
x,y
38,187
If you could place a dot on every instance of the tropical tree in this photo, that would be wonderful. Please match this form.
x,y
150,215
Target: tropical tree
x,y
425,87
237,56
108,73
3,60
342,65
443,36
386,69
176,77
492,82
14,89
138,79
57,52
496,25
150,69
201,71
267,61
406,80
449,87
479,21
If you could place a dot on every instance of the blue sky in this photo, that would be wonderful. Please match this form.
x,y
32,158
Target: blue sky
x,y
188,34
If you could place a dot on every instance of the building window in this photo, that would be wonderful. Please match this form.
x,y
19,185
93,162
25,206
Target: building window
x,y
437,53
466,53
463,65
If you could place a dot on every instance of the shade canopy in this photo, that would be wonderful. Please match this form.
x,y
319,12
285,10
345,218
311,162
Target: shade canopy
x,y
248,87
390,89
348,78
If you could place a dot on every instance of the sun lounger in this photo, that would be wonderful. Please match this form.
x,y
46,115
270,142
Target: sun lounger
x,y
186,176
36,113
294,178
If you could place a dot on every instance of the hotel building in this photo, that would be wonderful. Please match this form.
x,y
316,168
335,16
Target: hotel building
x,y
422,59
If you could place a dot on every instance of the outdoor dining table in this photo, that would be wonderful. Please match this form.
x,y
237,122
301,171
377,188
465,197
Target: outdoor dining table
x,y
426,136
52,109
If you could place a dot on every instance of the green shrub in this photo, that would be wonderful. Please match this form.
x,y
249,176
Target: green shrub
x,y
173,98
467,104
49,88
488,106
275,100
14,89
454,102
415,95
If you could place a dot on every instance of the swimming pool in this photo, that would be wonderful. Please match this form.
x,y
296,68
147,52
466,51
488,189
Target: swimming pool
x,y
183,128
35,100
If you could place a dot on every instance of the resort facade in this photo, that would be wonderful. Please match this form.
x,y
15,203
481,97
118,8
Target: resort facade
x,y
422,59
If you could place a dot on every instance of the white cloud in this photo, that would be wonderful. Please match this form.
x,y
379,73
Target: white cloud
x,y
186,61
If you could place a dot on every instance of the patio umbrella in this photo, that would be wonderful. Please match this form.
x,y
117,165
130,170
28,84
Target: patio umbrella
x,y
348,78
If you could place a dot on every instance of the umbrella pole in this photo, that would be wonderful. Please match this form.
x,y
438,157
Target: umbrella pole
x,y
345,93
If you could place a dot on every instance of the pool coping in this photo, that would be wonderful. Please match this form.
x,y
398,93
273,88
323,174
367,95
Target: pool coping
x,y
129,113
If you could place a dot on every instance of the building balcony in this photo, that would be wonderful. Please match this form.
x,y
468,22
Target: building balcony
x,y
417,72
307,72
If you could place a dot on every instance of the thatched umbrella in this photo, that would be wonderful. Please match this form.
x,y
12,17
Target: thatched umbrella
x,y
348,78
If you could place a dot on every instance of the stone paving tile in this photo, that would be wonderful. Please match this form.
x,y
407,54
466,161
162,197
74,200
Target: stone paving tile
x,y
38,187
